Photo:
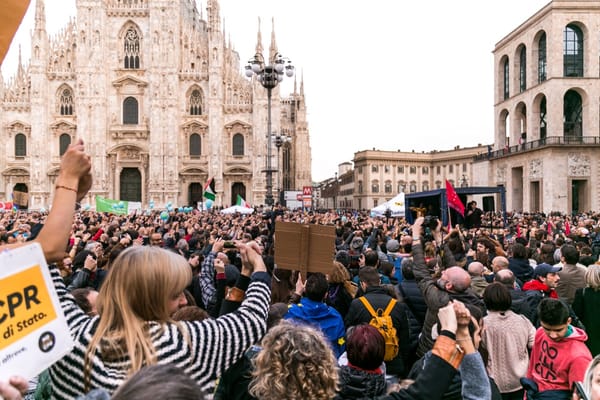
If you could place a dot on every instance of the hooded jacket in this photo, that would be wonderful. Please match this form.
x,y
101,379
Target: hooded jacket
x,y
555,365
358,384
324,317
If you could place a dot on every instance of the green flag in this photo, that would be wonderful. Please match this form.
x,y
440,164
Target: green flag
x,y
113,206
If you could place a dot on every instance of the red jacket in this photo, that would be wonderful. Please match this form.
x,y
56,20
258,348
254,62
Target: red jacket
x,y
555,365
535,284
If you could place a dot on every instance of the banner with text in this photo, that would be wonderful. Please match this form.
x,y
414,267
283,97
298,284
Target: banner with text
x,y
116,206
33,330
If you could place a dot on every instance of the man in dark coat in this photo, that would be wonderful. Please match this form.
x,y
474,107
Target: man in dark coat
x,y
454,284
379,298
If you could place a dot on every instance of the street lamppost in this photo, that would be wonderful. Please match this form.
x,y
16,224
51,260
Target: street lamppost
x,y
335,191
269,77
279,141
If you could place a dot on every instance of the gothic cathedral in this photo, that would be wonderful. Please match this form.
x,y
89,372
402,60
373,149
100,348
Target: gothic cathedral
x,y
158,96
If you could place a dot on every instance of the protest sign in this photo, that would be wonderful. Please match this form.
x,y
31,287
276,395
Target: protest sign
x,y
33,330
304,247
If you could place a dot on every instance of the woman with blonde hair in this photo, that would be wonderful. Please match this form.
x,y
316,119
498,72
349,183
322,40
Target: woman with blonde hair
x,y
295,363
134,327
591,382
586,305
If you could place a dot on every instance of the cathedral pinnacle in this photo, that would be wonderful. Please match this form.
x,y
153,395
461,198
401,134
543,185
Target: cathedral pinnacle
x,y
259,47
40,15
273,48
212,11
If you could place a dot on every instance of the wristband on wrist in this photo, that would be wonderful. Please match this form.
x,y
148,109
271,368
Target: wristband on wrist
x,y
66,188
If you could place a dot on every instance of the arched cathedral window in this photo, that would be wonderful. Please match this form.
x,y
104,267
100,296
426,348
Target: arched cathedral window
x,y
195,103
63,143
20,145
238,144
132,49
66,102
195,145
130,111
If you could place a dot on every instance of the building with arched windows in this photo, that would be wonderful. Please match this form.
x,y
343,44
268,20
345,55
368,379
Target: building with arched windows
x,y
157,94
547,111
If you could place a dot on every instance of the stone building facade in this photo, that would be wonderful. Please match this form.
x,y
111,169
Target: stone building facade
x,y
157,94
379,175
547,111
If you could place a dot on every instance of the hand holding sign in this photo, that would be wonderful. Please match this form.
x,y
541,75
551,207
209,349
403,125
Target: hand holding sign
x,y
14,389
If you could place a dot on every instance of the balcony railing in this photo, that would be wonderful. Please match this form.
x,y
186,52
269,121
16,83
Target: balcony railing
x,y
539,144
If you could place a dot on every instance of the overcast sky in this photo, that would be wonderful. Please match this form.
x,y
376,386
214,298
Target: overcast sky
x,y
382,74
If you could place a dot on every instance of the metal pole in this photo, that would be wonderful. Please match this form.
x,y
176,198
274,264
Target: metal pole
x,y
269,198
278,171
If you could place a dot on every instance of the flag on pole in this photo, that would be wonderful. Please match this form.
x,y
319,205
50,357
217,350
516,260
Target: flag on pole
x,y
518,230
241,202
209,190
567,228
453,199
549,226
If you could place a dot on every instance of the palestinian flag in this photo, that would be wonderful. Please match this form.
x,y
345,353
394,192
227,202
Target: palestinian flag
x,y
209,190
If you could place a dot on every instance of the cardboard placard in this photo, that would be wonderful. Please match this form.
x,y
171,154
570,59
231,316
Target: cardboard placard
x,y
33,329
304,247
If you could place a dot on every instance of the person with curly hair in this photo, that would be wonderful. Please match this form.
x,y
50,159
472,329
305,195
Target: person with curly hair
x,y
295,363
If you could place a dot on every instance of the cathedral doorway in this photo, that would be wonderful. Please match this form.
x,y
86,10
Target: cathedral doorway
x,y
21,196
237,188
194,194
131,185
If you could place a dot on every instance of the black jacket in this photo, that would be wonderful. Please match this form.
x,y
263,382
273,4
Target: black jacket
x,y
378,298
358,384
412,296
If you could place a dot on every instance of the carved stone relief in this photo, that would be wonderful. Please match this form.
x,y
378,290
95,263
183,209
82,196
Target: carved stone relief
x,y
535,169
578,165
501,174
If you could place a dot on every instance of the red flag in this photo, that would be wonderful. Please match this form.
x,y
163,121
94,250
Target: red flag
x,y
567,228
549,228
453,199
518,230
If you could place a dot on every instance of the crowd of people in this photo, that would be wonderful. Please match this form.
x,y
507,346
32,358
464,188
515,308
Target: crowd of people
x,y
501,307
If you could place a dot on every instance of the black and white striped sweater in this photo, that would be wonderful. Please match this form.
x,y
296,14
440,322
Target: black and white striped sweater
x,y
214,344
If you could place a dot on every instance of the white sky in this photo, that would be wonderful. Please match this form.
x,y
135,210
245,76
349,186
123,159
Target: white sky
x,y
388,74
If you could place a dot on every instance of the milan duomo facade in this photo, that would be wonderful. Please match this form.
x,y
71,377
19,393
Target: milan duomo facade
x,y
157,94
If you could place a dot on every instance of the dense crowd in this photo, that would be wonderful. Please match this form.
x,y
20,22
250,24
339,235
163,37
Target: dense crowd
x,y
194,304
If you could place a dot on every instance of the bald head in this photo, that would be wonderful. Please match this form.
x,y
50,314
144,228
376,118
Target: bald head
x,y
476,269
499,263
458,279
506,277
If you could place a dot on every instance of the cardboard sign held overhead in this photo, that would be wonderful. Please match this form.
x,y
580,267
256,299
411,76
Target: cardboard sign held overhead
x,y
304,247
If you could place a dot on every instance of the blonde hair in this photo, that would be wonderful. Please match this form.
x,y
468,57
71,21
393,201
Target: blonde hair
x,y
589,375
137,289
339,274
295,363
592,276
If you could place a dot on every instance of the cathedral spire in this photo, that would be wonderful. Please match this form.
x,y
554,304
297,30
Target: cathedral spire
x,y
259,46
20,70
302,84
295,86
273,47
40,16
212,11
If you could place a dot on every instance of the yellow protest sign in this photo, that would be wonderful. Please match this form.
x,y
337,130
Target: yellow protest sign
x,y
26,307
33,330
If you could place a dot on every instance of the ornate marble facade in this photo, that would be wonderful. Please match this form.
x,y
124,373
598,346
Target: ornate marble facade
x,y
158,96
